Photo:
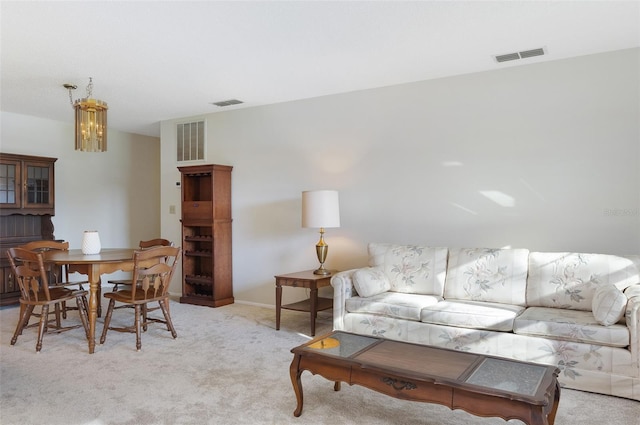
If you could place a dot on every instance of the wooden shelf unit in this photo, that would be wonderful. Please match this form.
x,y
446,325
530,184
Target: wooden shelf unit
x,y
206,235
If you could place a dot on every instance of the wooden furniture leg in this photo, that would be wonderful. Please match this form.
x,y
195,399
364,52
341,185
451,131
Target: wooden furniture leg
x,y
295,373
313,298
551,417
278,304
94,289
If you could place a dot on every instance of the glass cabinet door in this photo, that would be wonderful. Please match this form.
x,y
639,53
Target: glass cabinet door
x,y
37,185
9,189
26,185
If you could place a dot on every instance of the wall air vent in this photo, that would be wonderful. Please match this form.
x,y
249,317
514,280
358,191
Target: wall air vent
x,y
190,141
227,102
520,55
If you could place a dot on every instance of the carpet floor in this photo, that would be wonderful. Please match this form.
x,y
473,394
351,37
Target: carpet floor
x,y
228,366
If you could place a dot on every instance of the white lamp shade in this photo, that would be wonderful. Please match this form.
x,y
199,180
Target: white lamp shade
x,y
320,208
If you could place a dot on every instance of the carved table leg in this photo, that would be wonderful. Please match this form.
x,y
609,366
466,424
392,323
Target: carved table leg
x,y
94,285
297,383
540,415
551,418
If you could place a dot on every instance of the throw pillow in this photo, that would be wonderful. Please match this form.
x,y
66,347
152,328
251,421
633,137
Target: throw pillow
x,y
370,281
609,304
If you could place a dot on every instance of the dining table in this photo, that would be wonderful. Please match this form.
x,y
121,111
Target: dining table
x,y
109,260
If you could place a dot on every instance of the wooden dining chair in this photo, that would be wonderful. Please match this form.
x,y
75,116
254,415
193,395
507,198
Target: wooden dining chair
x,y
32,277
153,269
143,245
59,276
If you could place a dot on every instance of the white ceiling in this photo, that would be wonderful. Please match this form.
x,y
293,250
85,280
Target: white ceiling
x,y
158,60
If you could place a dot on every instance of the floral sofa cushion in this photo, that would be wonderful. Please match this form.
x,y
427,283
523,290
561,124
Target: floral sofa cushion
x,y
570,280
410,268
392,304
470,314
609,304
492,275
570,325
370,281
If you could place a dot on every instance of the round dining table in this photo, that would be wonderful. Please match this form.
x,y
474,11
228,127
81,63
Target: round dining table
x,y
109,260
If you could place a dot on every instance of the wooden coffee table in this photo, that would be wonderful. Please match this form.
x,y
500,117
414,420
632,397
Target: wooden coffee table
x,y
481,385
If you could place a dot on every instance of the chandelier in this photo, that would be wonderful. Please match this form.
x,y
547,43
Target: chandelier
x,y
91,121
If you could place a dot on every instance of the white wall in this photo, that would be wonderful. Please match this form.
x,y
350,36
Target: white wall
x,y
115,192
560,139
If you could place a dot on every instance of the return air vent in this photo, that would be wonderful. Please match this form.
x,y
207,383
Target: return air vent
x,y
190,141
227,102
520,55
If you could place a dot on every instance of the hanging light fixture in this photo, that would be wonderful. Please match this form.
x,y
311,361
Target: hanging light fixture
x,y
91,120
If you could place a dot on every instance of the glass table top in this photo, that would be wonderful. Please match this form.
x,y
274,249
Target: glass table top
x,y
514,377
342,344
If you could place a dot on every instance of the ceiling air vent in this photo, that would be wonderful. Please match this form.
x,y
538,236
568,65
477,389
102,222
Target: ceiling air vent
x,y
531,53
508,57
520,55
227,102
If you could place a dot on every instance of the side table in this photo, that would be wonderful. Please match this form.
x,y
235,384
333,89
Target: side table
x,y
313,305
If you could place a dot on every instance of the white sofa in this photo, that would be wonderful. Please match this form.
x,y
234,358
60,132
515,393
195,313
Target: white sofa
x,y
580,312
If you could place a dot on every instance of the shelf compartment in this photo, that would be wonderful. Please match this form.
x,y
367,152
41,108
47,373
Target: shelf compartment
x,y
198,253
199,280
199,238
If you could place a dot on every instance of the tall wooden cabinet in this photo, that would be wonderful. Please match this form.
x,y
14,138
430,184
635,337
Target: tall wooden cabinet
x,y
206,235
27,203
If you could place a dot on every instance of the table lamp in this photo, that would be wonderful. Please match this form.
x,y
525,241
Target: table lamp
x,y
320,208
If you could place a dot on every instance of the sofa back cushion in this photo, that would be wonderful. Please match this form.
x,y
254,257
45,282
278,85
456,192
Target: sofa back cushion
x,y
410,268
570,280
492,275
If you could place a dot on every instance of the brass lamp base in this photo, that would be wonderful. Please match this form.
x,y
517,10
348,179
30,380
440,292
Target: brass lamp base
x,y
321,250
322,271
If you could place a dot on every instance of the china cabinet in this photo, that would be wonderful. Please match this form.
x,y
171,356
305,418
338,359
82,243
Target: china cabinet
x,y
27,203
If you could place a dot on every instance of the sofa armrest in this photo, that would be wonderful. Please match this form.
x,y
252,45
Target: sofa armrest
x,y
343,289
632,317
632,291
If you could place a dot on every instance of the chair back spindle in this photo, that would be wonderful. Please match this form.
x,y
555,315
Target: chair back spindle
x,y
154,268
59,275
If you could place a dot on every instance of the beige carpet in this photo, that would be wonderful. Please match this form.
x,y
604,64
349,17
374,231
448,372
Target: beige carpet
x,y
228,366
